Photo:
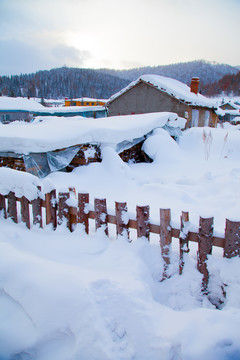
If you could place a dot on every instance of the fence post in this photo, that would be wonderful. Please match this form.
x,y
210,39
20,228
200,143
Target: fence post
x,y
63,208
72,211
165,238
51,208
143,222
232,239
3,205
72,218
122,219
183,240
205,243
83,202
100,207
37,209
25,211
12,206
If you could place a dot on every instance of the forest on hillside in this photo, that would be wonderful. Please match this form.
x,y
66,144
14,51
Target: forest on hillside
x,y
229,85
75,83
208,72
62,82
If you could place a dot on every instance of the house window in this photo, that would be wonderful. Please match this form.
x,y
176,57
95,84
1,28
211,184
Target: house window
x,y
195,117
207,117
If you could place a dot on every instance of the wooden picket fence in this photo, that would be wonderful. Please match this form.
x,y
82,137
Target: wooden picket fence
x,y
58,210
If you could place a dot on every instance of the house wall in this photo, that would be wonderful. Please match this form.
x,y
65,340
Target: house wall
x,y
8,116
143,98
213,118
227,107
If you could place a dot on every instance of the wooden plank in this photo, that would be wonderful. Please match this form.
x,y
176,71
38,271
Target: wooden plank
x,y
3,208
63,208
205,244
100,207
51,208
122,220
83,213
232,239
92,215
78,161
155,229
37,209
12,206
25,215
72,218
143,222
111,219
165,238
183,239
218,241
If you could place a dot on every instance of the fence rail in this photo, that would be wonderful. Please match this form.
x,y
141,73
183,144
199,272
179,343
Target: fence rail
x,y
59,210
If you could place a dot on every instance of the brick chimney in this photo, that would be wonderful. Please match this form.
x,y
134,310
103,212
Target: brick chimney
x,y
194,85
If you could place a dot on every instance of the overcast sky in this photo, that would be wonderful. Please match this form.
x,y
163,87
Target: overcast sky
x,y
44,34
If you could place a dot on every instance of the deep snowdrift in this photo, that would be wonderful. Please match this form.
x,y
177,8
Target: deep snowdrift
x,y
52,132
72,296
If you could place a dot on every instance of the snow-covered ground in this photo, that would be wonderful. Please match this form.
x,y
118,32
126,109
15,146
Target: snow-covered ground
x,y
71,296
75,296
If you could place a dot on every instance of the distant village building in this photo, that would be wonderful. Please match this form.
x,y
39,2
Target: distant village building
x,y
84,101
229,105
23,109
229,111
154,93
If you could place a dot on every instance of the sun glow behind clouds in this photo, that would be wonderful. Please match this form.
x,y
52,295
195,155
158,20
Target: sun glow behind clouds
x,y
118,34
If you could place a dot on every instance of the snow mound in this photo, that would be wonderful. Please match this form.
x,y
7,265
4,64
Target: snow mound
x,y
22,183
51,133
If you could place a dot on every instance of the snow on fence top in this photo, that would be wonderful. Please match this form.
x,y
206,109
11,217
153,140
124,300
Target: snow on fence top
x,y
51,133
22,183
172,87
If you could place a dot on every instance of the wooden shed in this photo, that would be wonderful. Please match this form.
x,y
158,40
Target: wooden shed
x,y
52,144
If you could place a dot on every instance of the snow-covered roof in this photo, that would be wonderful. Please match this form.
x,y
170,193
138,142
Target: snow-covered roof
x,y
232,104
229,112
236,119
87,99
69,109
172,87
19,103
51,133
